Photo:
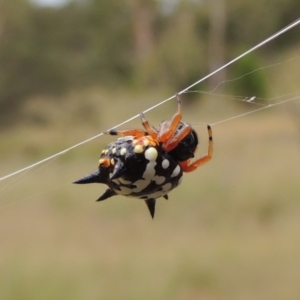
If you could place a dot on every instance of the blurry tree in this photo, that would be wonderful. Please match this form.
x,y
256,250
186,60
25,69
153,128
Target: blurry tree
x,y
148,43
249,83
15,51
47,50
143,15
217,30
106,40
179,53
251,22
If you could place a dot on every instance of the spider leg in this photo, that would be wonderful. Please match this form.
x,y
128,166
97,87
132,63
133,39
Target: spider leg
x,y
186,167
152,131
173,142
132,132
168,128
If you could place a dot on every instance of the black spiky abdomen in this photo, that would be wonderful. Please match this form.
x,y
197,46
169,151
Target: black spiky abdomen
x,y
138,167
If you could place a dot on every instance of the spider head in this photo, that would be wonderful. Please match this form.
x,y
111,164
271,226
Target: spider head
x,y
186,147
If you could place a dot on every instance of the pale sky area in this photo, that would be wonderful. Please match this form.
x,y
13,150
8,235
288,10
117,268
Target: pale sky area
x,y
167,5
50,2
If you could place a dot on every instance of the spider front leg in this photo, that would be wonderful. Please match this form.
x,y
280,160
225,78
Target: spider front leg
x,y
186,167
132,132
167,129
150,129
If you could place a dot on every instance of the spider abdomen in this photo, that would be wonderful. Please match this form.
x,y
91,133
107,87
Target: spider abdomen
x,y
145,168
136,167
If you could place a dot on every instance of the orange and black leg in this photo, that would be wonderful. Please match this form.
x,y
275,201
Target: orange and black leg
x,y
150,129
176,139
167,129
133,132
186,167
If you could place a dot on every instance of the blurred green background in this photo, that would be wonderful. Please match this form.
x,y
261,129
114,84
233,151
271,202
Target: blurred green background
x,y
71,70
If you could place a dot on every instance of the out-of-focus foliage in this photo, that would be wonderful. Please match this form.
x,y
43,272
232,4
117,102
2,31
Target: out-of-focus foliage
x,y
47,50
138,43
250,83
178,56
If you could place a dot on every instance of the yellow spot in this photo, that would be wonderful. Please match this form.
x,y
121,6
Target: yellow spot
x,y
114,150
134,142
112,161
105,151
151,154
146,142
138,149
123,151
152,141
104,161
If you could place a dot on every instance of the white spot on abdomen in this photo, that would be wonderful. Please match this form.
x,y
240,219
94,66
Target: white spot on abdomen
x,y
123,190
176,171
151,154
167,187
149,172
123,181
159,179
165,163
140,185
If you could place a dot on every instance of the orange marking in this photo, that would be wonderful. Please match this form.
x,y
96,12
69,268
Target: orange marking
x,y
105,162
145,141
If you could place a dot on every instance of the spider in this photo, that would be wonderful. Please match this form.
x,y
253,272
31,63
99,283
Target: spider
x,y
148,163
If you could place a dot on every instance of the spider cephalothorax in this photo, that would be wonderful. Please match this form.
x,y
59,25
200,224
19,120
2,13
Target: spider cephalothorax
x,y
187,146
147,164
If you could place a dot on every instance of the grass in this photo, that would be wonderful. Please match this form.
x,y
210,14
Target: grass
x,y
230,231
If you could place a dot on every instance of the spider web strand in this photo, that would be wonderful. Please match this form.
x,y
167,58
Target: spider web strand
x,y
269,39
